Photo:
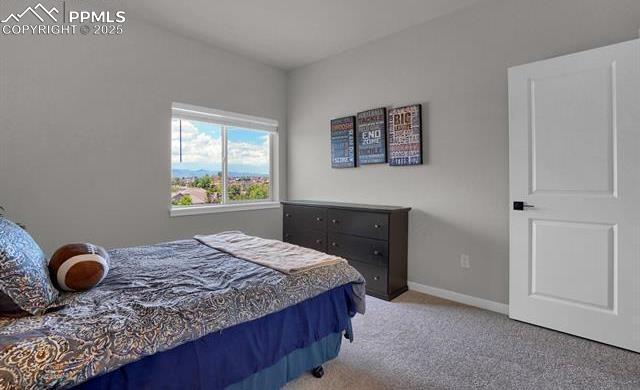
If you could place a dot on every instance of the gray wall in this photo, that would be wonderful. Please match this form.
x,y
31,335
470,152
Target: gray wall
x,y
456,66
85,132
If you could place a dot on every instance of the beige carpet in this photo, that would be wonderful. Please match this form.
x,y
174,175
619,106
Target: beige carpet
x,y
422,342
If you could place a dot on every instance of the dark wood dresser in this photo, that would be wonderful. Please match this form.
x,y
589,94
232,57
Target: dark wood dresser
x,y
372,238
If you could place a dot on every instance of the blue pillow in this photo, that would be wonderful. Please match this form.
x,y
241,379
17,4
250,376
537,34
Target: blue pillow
x,y
8,307
24,277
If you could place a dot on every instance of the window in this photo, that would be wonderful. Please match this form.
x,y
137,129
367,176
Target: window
x,y
221,161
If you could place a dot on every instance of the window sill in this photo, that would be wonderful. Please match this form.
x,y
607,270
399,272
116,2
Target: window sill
x,y
195,210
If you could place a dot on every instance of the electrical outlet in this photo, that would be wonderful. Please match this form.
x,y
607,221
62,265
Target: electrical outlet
x,y
465,261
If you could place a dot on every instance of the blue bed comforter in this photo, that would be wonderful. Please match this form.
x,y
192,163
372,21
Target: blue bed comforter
x,y
261,354
155,298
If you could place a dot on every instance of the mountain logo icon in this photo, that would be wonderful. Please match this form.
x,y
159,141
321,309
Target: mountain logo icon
x,y
36,11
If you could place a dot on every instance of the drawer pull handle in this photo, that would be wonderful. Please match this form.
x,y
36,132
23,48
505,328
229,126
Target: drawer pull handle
x,y
318,241
376,253
288,215
334,221
334,244
318,219
376,278
376,226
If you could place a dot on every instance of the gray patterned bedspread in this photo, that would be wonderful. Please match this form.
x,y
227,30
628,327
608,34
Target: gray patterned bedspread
x,y
153,299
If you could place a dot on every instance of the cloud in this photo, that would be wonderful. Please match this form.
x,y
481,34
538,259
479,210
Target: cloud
x,y
203,148
242,153
197,146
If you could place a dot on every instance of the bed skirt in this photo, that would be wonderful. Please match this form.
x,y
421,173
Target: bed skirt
x,y
293,365
264,353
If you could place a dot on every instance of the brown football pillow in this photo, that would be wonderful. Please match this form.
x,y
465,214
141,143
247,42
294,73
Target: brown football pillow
x,y
78,267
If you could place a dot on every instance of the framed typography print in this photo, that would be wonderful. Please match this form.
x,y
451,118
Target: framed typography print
x,y
405,135
343,151
371,136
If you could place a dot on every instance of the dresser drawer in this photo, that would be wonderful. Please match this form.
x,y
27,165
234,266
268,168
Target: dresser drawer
x,y
360,249
307,238
376,277
304,217
359,223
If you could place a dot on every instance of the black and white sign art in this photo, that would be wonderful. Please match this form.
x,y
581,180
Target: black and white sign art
x,y
343,151
371,136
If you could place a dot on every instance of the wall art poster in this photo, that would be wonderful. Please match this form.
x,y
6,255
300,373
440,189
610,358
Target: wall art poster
x,y
343,153
405,135
371,136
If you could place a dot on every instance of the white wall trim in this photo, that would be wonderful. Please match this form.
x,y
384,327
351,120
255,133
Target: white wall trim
x,y
222,208
189,111
460,298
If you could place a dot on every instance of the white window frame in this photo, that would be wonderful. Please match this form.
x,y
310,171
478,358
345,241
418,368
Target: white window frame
x,y
231,119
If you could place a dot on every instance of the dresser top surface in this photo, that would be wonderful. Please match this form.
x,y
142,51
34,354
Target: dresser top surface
x,y
347,206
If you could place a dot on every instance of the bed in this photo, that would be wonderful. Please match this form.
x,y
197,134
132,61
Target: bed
x,y
184,315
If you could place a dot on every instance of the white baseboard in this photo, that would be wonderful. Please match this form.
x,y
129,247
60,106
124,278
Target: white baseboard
x,y
460,298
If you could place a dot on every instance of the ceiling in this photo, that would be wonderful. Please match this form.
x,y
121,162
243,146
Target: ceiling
x,y
289,33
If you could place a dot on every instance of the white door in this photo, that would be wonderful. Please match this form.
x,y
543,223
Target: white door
x,y
574,151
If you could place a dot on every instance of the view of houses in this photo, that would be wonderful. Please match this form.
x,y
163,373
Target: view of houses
x,y
207,189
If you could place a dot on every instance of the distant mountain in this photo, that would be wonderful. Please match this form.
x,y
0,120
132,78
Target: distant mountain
x,y
192,173
203,172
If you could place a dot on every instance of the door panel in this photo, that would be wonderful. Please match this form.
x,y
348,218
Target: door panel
x,y
574,154
573,262
586,119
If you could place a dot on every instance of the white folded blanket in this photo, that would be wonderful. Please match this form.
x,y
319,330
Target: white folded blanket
x,y
281,256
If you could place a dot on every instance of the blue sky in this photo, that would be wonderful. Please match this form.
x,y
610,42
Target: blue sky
x,y
202,148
